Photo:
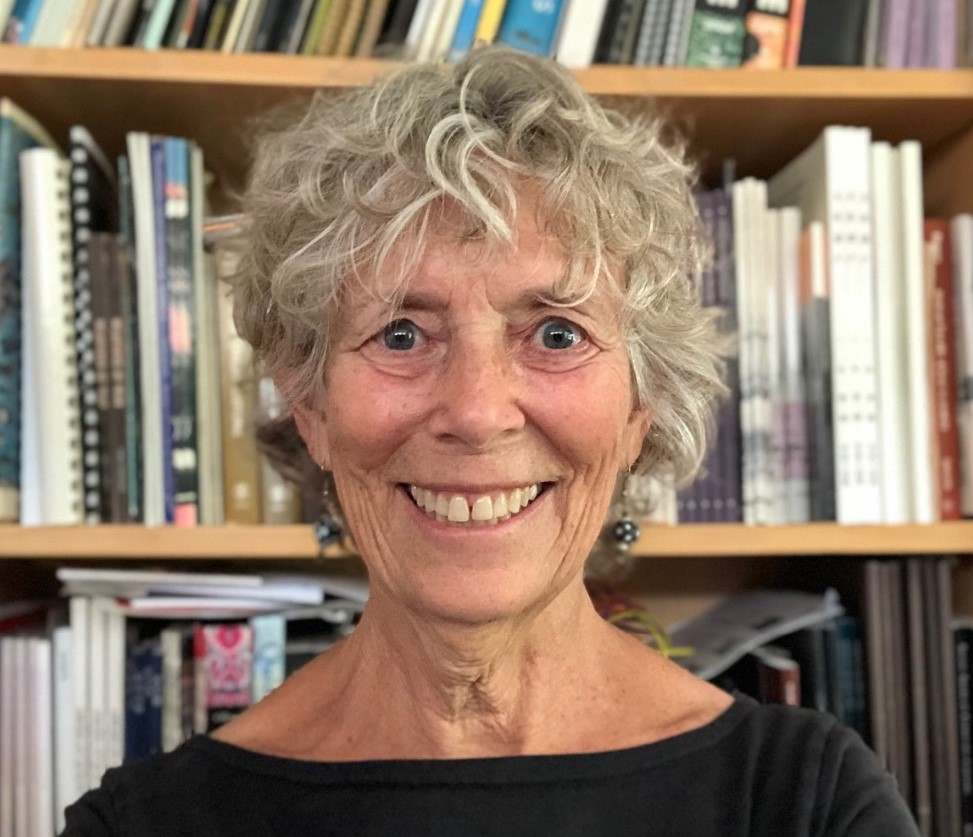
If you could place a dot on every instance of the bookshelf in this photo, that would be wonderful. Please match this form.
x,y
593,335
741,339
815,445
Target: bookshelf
x,y
762,118
709,540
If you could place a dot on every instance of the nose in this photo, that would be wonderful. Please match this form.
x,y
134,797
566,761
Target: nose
x,y
478,403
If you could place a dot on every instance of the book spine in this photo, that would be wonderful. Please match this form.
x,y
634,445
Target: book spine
x,y
128,297
224,660
961,234
269,639
531,27
469,18
767,24
135,699
65,789
962,646
98,249
489,22
795,29
117,446
13,140
943,361
915,50
180,292
158,161
895,36
716,35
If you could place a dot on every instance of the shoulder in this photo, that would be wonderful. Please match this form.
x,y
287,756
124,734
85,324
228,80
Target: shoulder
x,y
830,772
117,804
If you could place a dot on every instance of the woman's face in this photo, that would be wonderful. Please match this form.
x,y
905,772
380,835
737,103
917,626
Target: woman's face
x,y
442,426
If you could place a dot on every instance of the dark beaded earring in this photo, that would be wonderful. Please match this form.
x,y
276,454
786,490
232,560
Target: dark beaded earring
x,y
328,527
625,531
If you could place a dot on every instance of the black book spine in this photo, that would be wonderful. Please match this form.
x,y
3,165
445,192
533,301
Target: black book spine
x,y
963,647
200,25
395,28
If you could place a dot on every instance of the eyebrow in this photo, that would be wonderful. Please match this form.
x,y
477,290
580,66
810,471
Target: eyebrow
x,y
527,301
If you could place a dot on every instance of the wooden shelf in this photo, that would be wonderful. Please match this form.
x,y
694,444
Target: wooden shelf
x,y
297,543
762,118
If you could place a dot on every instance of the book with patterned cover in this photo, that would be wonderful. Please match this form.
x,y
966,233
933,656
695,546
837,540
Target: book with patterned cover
x,y
94,208
50,470
18,132
224,659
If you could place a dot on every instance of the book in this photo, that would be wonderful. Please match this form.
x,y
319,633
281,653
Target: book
x,y
650,46
816,365
216,25
18,132
832,32
918,693
830,183
269,640
51,460
961,235
677,36
156,24
942,365
350,26
97,400
181,300
319,16
890,325
234,24
331,29
23,18
152,329
893,43
962,646
465,31
767,23
578,36
66,790
238,383
176,644
119,24
531,27
795,31
371,28
395,29
716,35
223,661
490,19
921,475
248,27
82,16
94,209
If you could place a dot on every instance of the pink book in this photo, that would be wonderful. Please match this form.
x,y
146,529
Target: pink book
x,y
224,659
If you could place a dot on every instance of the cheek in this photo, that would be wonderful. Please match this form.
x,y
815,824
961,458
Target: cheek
x,y
370,415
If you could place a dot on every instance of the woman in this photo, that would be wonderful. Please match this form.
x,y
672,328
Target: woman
x,y
472,285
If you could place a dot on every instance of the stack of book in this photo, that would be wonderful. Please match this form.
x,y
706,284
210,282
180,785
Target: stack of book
x,y
850,397
696,33
125,393
132,663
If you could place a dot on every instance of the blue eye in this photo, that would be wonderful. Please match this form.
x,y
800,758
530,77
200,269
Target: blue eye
x,y
559,334
401,335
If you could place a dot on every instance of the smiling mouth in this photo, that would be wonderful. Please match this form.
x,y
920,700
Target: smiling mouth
x,y
474,510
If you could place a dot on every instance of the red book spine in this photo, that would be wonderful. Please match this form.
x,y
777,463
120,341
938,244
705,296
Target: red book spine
x,y
943,368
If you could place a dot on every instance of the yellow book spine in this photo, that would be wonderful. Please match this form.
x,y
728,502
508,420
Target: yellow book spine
x,y
490,17
317,26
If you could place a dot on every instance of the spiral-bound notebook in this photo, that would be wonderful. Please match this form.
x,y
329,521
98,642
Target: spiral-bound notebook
x,y
51,468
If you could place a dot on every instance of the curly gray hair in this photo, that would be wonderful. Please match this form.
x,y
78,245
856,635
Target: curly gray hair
x,y
351,188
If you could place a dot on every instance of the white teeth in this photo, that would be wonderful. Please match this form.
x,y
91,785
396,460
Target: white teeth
x,y
484,509
459,511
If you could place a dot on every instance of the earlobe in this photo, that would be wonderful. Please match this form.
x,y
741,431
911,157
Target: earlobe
x,y
639,423
312,425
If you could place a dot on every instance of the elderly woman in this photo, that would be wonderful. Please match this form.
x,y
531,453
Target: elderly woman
x,y
473,285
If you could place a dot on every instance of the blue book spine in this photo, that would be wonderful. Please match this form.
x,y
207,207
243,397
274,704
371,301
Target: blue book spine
x,y
135,703
22,19
162,304
269,639
465,30
531,25
152,682
13,140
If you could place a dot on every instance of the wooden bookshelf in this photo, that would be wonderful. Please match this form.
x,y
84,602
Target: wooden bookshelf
x,y
297,543
761,118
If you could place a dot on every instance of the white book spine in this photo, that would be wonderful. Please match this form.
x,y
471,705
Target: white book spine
x,y
171,641
790,370
961,230
51,458
916,337
422,19
100,23
79,617
446,29
269,639
235,25
150,373
775,474
98,672
115,683
42,745
8,724
890,328
22,749
66,790
578,38
742,235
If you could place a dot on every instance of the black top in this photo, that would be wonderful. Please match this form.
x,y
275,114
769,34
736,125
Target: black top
x,y
759,771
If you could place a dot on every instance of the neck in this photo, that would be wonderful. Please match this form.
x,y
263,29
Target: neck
x,y
436,690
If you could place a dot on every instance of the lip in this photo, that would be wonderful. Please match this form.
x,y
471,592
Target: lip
x,y
466,530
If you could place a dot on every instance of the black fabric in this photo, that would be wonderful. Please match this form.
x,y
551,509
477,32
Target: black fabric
x,y
759,771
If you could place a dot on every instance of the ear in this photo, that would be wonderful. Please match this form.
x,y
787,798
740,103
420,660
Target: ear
x,y
639,422
310,416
